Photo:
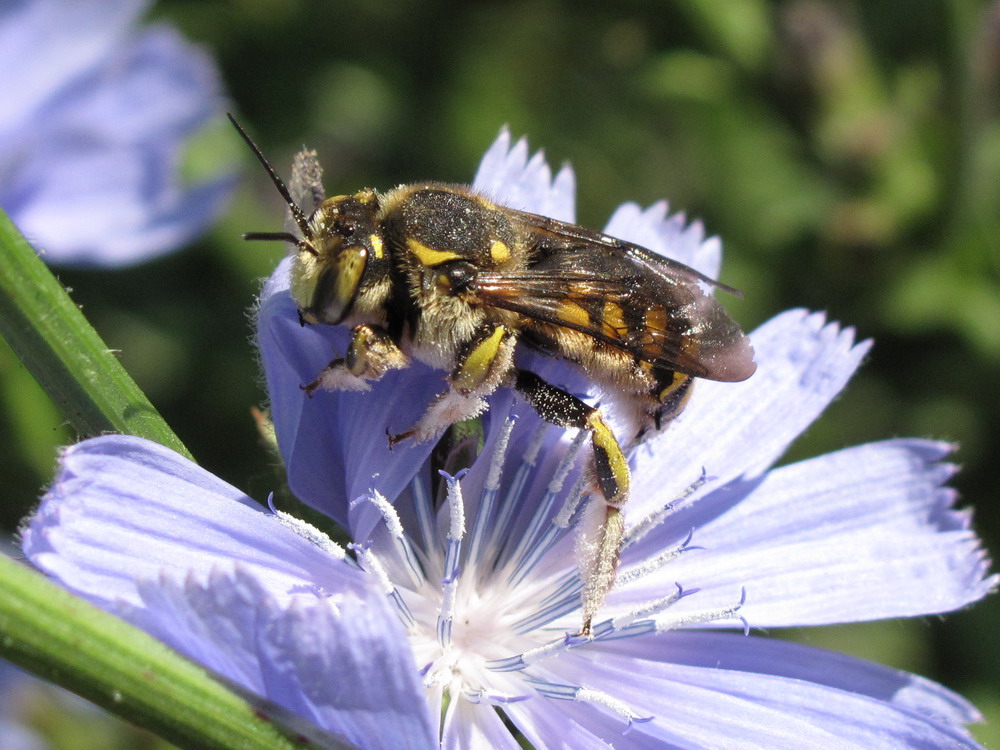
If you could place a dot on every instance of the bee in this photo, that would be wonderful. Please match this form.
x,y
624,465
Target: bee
x,y
443,274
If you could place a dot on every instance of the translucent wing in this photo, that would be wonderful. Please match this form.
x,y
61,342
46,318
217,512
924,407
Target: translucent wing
x,y
622,295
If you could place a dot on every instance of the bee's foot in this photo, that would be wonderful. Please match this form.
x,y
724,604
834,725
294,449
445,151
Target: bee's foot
x,y
398,437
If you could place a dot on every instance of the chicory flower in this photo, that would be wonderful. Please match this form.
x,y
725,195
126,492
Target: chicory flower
x,y
94,116
458,602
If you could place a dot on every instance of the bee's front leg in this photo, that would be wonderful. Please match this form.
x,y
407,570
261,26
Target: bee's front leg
x,y
483,363
371,355
601,546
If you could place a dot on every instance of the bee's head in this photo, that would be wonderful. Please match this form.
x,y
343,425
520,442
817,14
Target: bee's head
x,y
340,267
339,259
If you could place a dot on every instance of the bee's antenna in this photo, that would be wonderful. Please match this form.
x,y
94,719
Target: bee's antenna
x,y
272,237
297,214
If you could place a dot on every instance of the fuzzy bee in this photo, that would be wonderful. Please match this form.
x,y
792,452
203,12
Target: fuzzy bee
x,y
441,274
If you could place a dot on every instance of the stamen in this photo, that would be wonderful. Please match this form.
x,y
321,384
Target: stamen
x,y
531,656
565,515
395,528
307,531
453,552
424,510
492,699
643,569
654,519
572,693
618,706
512,497
568,602
730,613
556,528
619,623
568,583
490,488
374,566
542,510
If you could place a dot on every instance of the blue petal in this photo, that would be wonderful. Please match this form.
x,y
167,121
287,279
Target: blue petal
x,y
46,45
861,534
122,509
771,694
767,656
507,175
729,430
334,444
149,535
670,236
342,662
89,160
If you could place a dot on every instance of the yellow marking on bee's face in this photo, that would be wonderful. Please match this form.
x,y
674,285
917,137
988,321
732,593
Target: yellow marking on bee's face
x,y
476,366
428,256
499,251
571,312
350,267
305,271
613,321
377,245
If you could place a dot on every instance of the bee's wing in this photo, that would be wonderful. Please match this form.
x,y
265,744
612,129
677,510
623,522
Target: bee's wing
x,y
624,296
554,234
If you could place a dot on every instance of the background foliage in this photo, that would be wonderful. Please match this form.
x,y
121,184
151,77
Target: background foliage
x,y
848,153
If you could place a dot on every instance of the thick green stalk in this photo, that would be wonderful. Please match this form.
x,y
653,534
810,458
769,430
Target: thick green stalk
x,y
62,638
64,353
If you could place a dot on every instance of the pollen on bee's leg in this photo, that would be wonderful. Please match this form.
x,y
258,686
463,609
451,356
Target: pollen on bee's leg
x,y
444,411
601,531
336,377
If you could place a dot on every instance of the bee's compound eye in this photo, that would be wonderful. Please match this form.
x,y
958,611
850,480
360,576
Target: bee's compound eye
x,y
460,275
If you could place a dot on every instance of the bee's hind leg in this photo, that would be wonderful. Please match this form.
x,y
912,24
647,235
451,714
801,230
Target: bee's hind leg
x,y
667,398
601,546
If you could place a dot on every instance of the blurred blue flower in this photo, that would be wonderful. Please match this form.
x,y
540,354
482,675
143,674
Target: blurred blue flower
x,y
15,731
28,702
93,120
458,604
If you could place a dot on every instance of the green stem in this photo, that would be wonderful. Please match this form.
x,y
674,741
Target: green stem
x,y
64,353
63,639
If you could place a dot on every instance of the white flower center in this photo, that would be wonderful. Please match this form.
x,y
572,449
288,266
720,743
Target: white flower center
x,y
488,609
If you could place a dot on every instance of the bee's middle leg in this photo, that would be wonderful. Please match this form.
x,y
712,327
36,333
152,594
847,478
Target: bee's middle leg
x,y
602,544
483,363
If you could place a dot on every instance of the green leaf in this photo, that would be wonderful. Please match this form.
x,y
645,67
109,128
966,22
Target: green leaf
x,y
64,353
68,641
